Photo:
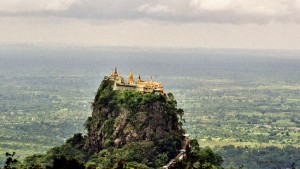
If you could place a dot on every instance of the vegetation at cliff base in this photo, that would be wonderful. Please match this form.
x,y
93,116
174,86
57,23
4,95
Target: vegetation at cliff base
x,y
198,158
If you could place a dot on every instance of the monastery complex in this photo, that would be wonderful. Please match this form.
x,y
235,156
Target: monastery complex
x,y
132,85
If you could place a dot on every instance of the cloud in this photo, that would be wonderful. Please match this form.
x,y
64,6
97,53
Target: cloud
x,y
19,6
212,5
213,11
150,9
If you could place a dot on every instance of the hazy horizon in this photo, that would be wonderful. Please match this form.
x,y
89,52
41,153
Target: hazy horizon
x,y
241,24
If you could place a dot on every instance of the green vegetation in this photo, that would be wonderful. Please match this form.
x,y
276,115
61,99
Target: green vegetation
x,y
37,113
198,158
261,157
246,100
256,116
10,162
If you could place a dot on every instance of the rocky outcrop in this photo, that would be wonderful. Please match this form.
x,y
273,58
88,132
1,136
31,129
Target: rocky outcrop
x,y
122,117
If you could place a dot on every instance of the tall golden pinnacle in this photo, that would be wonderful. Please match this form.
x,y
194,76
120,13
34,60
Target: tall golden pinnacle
x,y
130,78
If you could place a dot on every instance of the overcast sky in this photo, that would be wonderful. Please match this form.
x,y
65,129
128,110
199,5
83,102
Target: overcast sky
x,y
258,24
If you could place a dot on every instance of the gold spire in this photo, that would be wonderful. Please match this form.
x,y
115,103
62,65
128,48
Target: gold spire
x,y
130,78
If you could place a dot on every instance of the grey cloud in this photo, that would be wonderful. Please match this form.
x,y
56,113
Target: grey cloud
x,y
173,11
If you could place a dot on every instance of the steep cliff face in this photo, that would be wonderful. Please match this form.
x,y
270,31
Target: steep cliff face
x,y
123,117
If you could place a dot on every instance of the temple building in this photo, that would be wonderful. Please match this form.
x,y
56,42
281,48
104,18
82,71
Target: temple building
x,y
131,84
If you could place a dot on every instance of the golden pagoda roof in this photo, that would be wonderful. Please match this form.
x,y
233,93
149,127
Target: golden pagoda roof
x,y
130,78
